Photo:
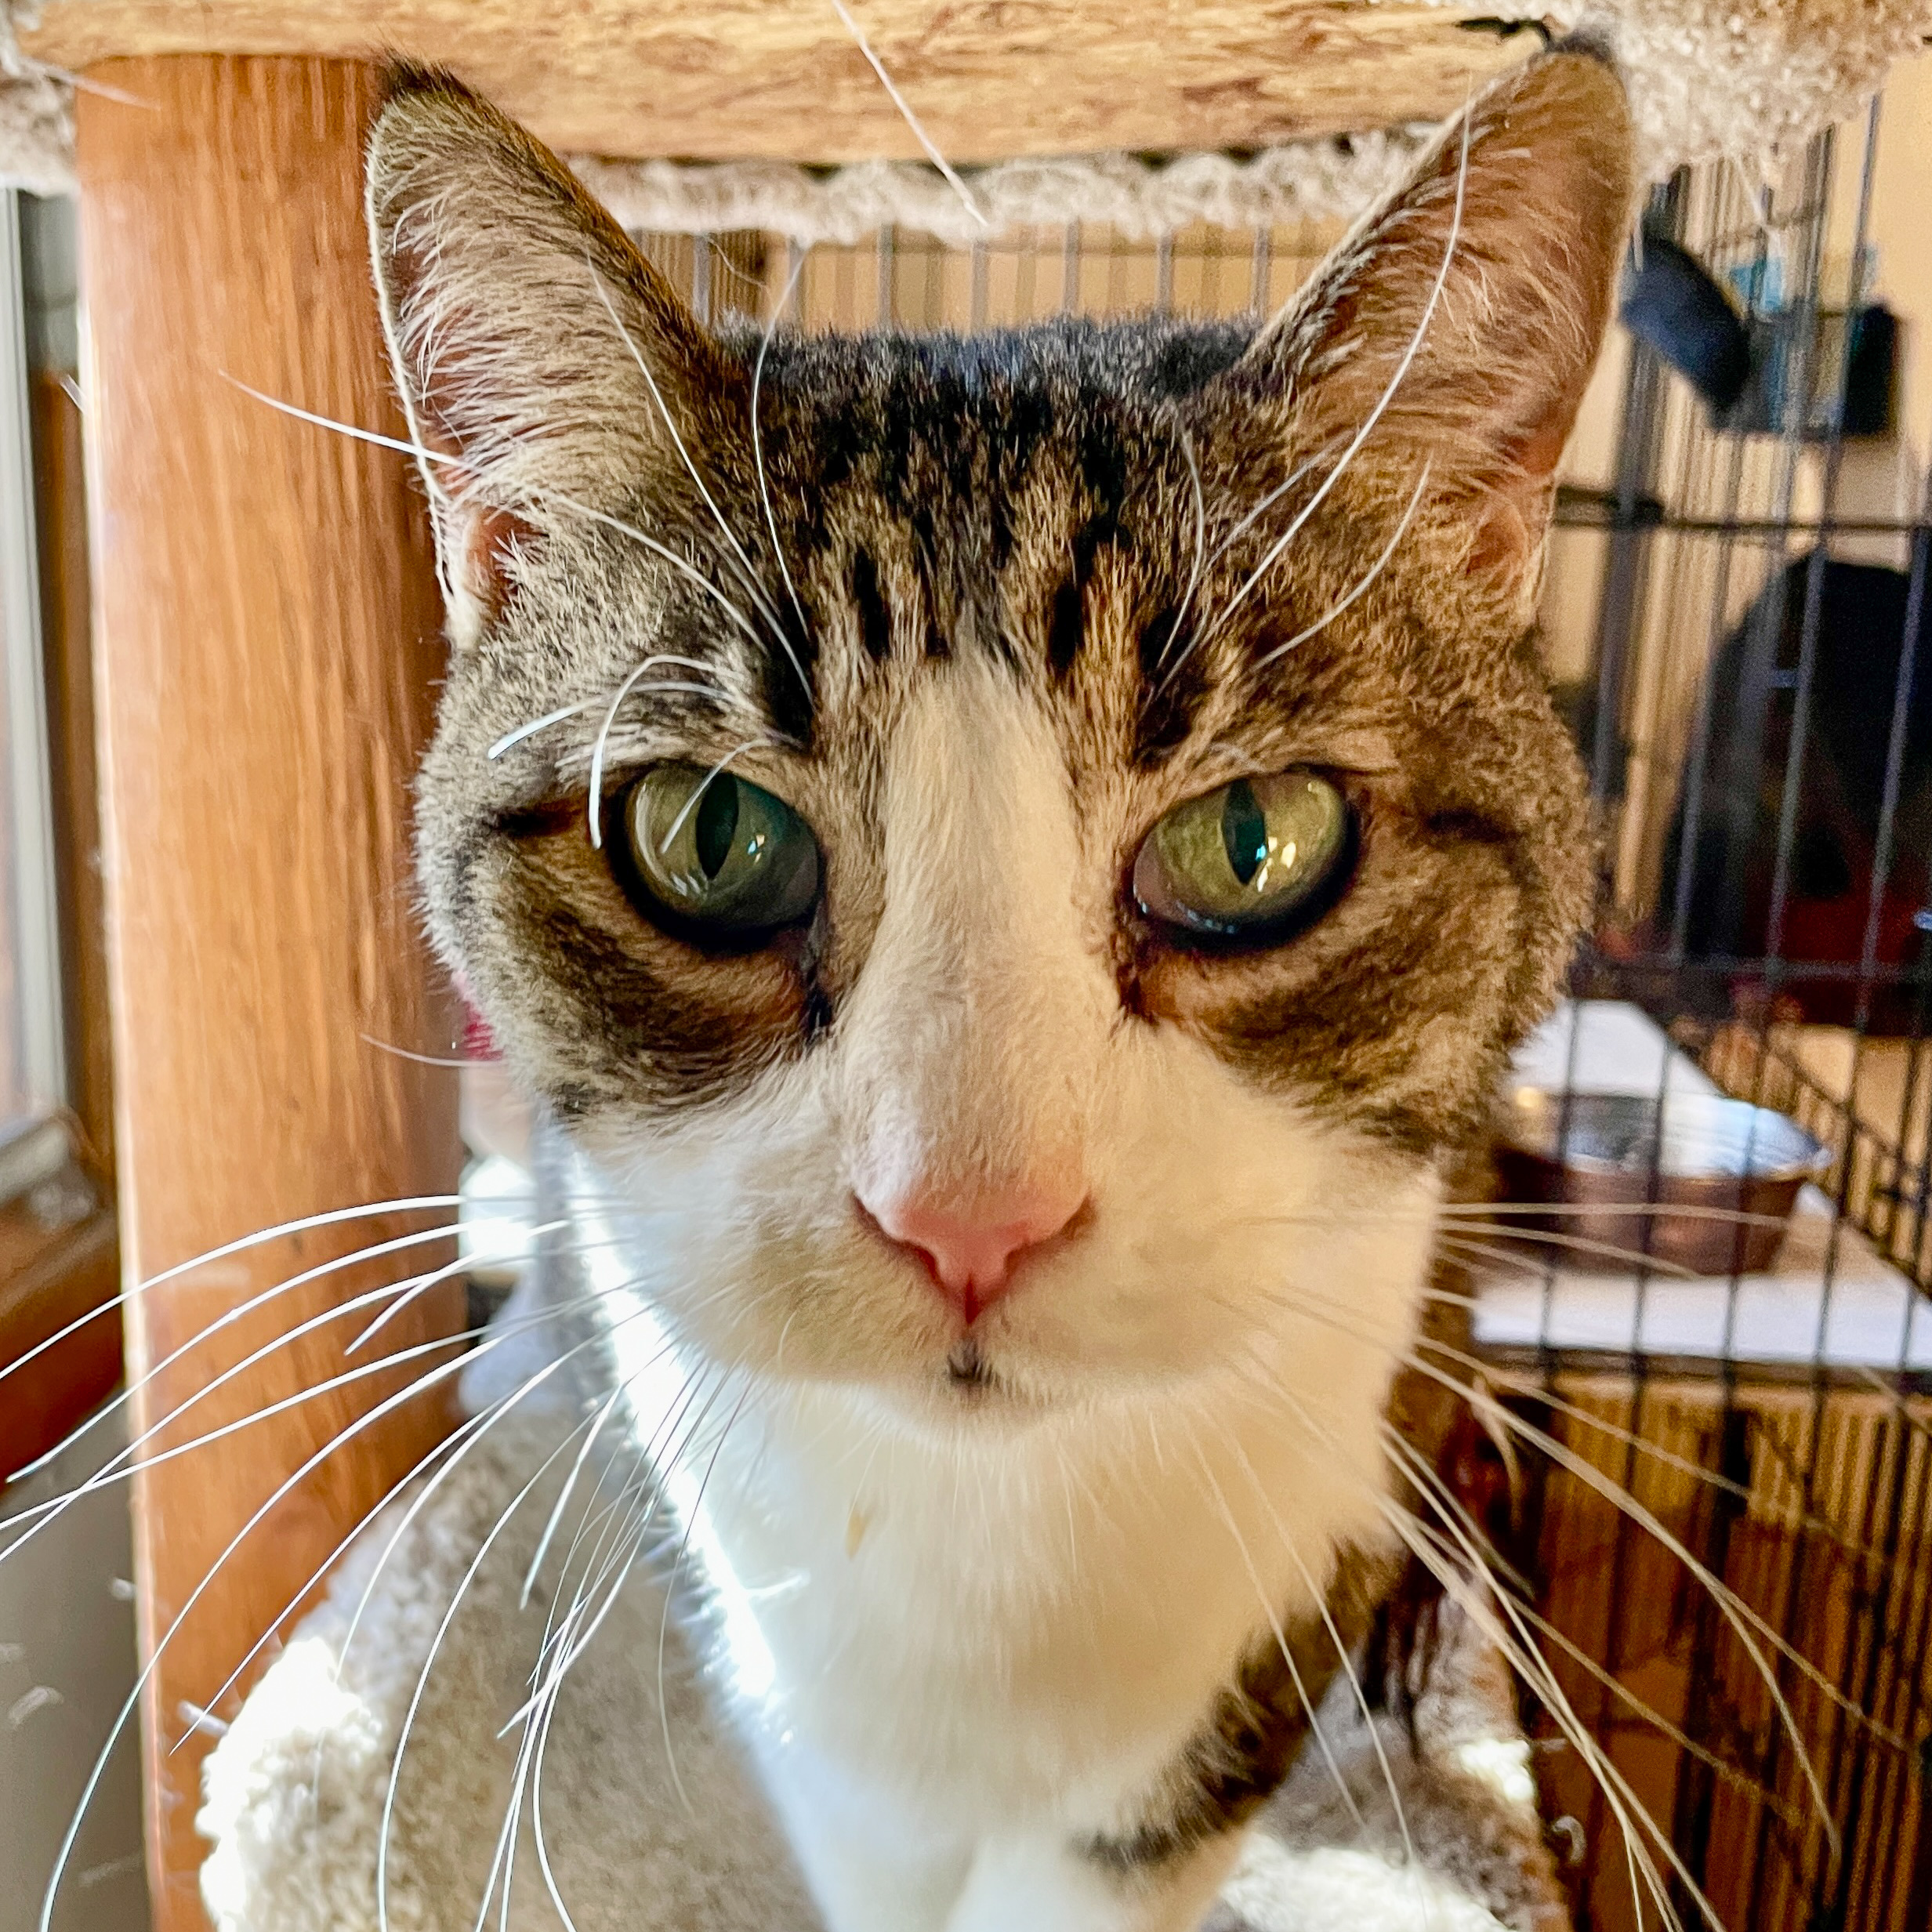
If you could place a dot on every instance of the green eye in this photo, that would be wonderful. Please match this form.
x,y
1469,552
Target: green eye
x,y
1246,861
717,853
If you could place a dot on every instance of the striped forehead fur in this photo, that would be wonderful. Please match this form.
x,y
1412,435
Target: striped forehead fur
x,y
1074,502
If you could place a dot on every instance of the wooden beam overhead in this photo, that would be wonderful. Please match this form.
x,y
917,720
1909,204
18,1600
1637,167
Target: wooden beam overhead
x,y
782,79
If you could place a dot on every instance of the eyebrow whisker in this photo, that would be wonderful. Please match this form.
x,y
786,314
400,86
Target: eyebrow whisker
x,y
765,609
699,790
1362,583
1375,415
758,445
596,803
549,718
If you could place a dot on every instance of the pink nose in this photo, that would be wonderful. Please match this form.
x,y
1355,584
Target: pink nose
x,y
970,1248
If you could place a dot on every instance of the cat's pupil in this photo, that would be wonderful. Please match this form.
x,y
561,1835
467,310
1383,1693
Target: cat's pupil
x,y
716,820
1244,830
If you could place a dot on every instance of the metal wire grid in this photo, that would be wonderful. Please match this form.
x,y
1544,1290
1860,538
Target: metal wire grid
x,y
896,279
1816,1522
1811,1502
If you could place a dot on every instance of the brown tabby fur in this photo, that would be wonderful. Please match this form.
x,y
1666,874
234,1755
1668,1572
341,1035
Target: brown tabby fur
x,y
1063,504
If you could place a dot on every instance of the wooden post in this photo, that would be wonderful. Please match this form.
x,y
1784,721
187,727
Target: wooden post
x,y
266,631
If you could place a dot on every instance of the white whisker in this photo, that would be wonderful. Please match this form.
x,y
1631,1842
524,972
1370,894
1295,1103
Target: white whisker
x,y
549,718
691,1524
910,118
1221,548
1375,415
542,1550
765,608
417,1503
1522,1653
227,1319
1482,1608
1479,1210
413,1291
1742,1617
1201,543
433,459
422,1678
409,1204
368,1419
408,1053
690,804
758,445
1598,1480
1362,583
682,565
349,429
455,1447
596,804
127,1464
1280,1643
1320,1599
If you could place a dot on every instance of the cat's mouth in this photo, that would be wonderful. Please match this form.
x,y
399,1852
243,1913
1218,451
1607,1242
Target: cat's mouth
x,y
974,1384
967,1371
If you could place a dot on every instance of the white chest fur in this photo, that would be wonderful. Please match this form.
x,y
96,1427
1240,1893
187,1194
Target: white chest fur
x,y
1029,1624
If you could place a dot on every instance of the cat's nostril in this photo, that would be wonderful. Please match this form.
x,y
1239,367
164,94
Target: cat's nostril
x,y
970,1247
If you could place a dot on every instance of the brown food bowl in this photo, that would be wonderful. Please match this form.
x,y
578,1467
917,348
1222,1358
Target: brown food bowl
x,y
1715,1159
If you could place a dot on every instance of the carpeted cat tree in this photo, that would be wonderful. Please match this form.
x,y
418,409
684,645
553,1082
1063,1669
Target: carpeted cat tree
x,y
264,592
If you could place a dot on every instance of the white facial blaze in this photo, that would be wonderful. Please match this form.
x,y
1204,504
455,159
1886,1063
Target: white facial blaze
x,y
973,1043
983,1049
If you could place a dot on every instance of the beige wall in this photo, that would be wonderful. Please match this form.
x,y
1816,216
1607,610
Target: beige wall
x,y
1901,229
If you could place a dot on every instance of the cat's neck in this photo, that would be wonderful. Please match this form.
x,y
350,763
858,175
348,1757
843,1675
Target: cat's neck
x,y
937,1605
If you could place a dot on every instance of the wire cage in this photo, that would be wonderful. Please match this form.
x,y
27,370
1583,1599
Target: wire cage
x,y
896,278
1722,1489
1754,714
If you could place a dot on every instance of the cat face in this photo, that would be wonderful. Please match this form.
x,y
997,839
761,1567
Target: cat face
x,y
1016,858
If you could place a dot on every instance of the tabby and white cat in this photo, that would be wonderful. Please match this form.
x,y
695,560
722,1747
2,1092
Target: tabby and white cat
x,y
1017,860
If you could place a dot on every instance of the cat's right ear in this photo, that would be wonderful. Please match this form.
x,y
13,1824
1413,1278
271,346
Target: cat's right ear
x,y
1448,341
543,363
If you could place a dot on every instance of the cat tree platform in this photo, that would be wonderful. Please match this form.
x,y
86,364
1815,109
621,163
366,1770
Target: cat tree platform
x,y
785,79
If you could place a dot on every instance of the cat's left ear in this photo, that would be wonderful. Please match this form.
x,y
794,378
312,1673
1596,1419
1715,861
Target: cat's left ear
x,y
1464,316
548,370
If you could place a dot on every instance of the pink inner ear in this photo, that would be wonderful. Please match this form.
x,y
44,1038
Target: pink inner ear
x,y
486,548
1512,520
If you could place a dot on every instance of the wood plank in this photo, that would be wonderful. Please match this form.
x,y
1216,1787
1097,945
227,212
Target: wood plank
x,y
60,520
783,79
1830,1547
50,1279
267,635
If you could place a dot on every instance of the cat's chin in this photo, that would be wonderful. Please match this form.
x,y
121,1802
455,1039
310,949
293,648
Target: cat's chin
x,y
981,1389
967,1387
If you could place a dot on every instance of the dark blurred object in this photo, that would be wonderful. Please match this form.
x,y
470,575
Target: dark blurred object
x,y
1674,305
1842,380
1577,704
1800,371
1725,912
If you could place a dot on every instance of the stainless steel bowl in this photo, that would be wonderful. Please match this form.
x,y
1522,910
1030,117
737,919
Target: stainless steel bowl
x,y
1633,1170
